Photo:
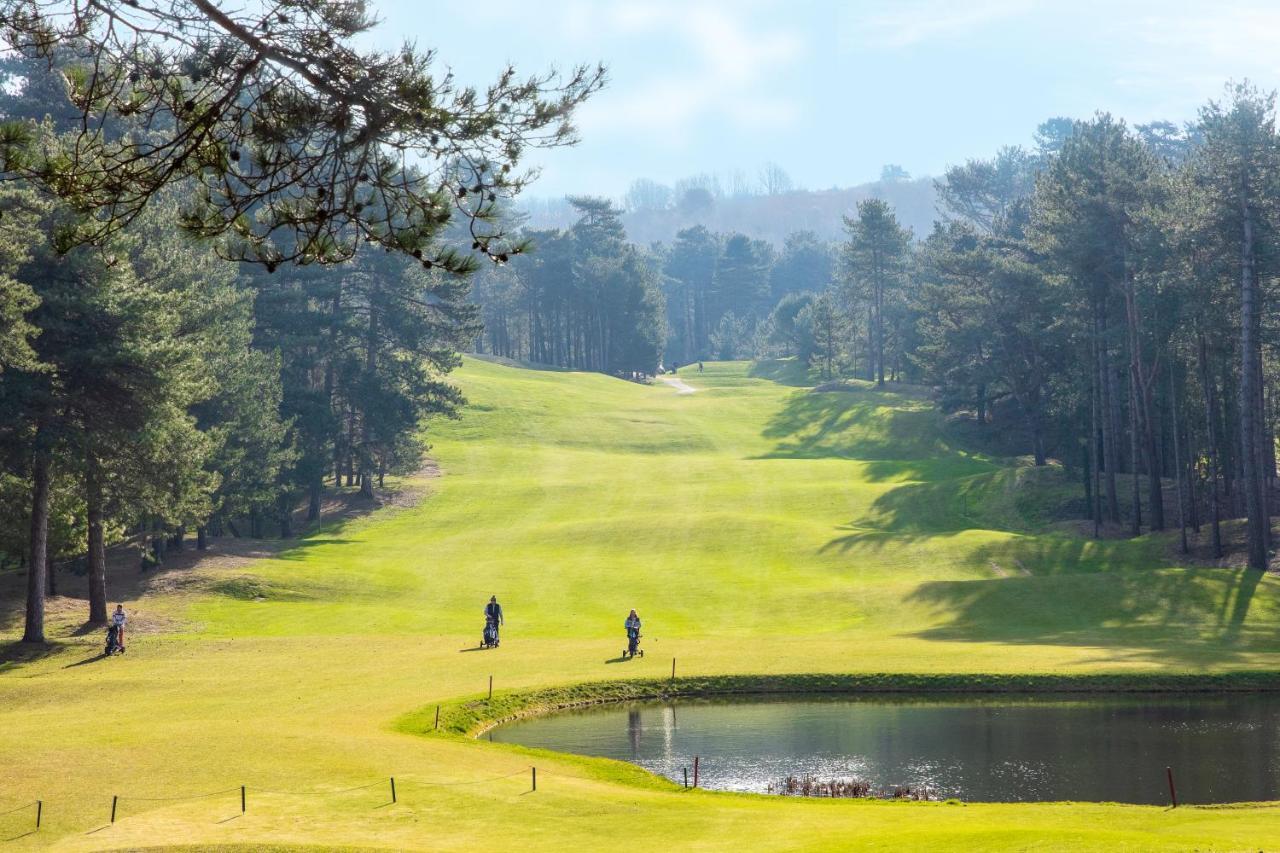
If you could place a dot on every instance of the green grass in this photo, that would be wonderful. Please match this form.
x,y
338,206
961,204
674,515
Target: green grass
x,y
760,529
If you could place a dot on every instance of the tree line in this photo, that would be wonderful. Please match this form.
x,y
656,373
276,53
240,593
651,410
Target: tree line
x,y
1103,298
1108,293
705,295
583,297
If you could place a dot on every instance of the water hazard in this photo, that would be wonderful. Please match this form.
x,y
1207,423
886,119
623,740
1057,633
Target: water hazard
x,y
1222,748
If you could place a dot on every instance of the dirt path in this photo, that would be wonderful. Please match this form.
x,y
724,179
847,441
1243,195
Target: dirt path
x,y
679,385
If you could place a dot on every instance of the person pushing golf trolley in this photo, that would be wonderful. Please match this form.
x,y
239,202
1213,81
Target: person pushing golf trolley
x,y
115,632
633,636
492,621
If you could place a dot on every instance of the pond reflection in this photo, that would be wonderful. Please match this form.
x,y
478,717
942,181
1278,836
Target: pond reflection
x,y
1222,748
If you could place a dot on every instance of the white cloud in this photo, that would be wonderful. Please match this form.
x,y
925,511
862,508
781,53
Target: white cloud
x,y
709,62
905,23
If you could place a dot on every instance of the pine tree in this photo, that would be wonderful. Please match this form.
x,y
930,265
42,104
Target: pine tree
x,y
1237,172
873,266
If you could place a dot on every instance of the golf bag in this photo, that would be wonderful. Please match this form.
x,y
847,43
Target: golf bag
x,y
490,639
113,641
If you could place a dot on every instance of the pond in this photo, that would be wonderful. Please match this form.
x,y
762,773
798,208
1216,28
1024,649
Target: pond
x,y
1222,747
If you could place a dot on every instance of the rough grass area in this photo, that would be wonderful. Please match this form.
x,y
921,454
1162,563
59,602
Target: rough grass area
x,y
771,538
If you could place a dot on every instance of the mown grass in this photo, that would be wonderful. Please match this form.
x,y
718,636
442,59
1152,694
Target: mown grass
x,y
768,535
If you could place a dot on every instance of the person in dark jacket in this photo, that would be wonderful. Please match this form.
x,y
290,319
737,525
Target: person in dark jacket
x,y
493,616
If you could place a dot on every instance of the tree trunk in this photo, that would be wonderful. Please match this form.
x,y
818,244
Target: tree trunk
x,y
1211,422
202,538
1096,503
97,552
1266,464
1177,468
1106,409
366,425
880,337
286,516
1145,410
313,500
1249,425
1135,526
1037,437
38,564
157,543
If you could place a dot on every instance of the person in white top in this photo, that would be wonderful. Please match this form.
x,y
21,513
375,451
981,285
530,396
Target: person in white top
x,y
117,621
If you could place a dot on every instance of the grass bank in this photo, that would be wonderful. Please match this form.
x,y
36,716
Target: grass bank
x,y
473,716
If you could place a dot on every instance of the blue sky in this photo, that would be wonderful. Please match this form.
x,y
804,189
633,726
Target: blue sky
x,y
833,91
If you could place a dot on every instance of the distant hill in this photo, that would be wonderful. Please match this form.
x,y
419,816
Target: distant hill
x,y
766,217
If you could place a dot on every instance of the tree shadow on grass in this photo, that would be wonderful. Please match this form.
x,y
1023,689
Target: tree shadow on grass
x,y
1164,616
1008,555
899,438
17,653
784,371
1014,499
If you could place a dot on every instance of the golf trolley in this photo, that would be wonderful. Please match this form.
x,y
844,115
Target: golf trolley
x,y
113,646
633,645
490,638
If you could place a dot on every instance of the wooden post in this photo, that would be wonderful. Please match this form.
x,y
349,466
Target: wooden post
x,y
242,799
393,789
1173,792
673,669
114,799
437,717
39,812
535,777
491,687
695,771
686,777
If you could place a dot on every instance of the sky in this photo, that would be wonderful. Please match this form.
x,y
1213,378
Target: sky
x,y
833,91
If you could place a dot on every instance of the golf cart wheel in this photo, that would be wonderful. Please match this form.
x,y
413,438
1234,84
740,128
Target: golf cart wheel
x,y
642,653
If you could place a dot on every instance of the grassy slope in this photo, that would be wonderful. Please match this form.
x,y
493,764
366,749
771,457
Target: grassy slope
x,y
758,528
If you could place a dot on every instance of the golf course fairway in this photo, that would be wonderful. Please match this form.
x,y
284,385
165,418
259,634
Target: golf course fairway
x,y
759,528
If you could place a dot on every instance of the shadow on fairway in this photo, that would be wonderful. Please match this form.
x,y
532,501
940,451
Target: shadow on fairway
x,y
784,371
94,659
17,653
1129,616
899,437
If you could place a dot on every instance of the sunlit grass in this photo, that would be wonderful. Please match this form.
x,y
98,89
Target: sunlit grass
x,y
757,527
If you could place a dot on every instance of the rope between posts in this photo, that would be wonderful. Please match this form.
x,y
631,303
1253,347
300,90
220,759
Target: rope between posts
x,y
401,781
472,782
564,775
19,808
174,799
256,789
